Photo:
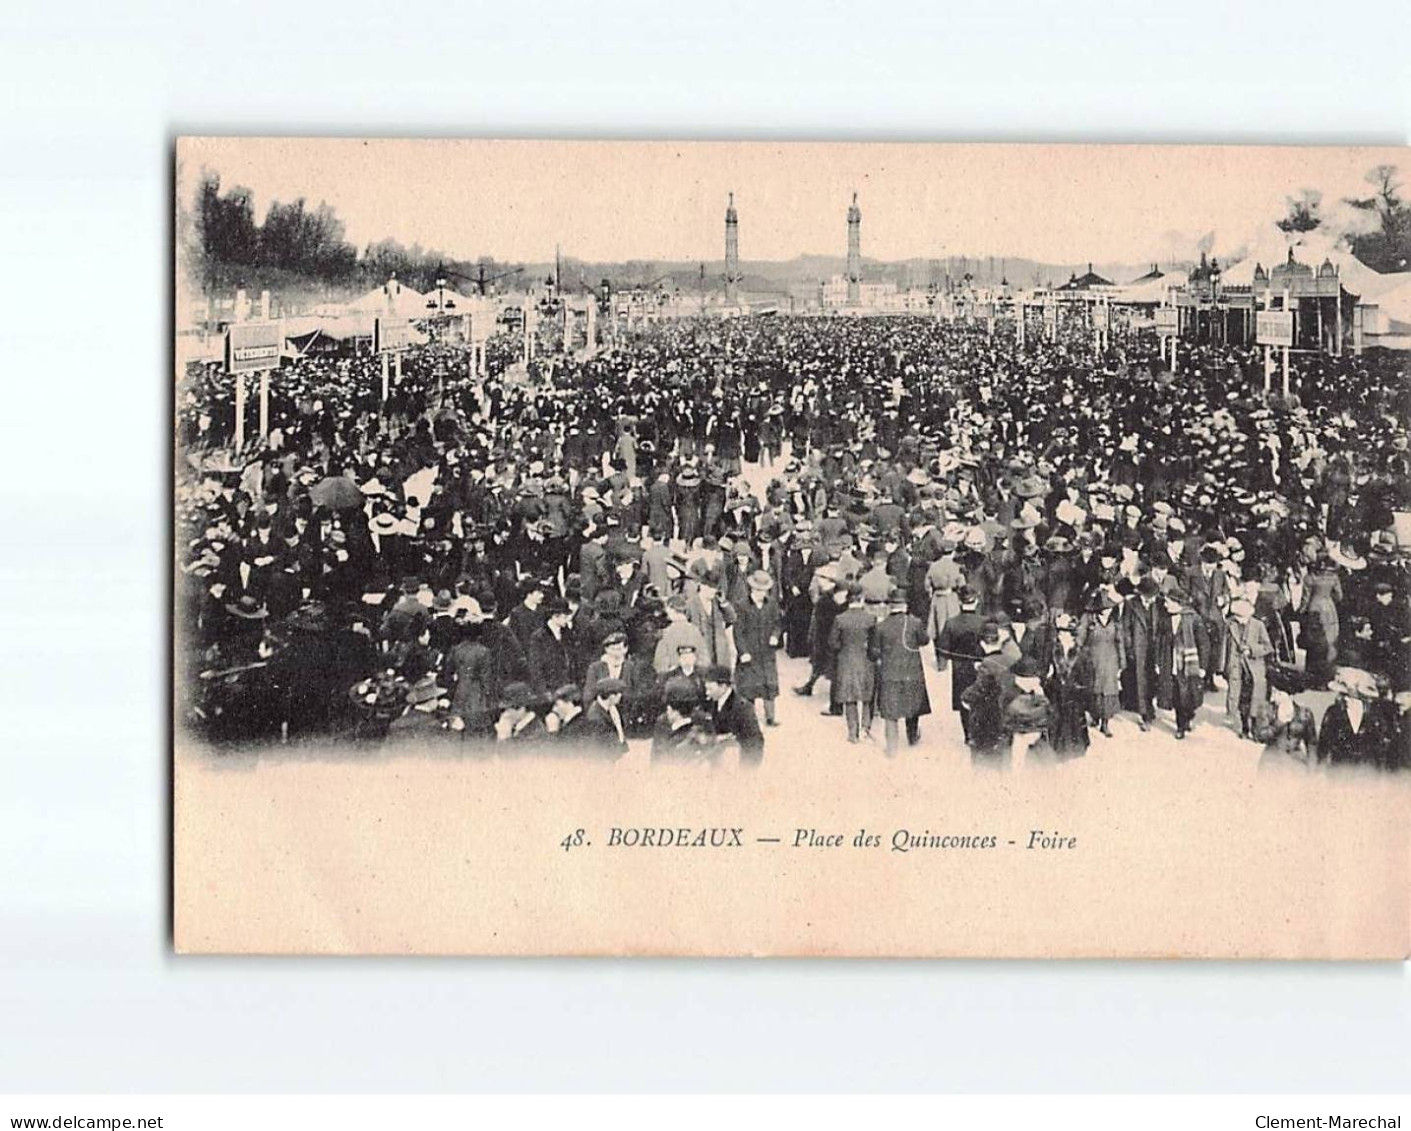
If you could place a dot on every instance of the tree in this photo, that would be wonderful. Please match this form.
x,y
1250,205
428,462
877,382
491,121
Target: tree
x,y
1303,211
225,225
1388,246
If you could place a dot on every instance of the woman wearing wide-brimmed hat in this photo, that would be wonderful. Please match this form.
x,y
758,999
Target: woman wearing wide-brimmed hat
x,y
1100,636
1359,727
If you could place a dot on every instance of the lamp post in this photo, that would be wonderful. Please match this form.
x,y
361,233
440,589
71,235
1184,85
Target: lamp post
x,y
1215,309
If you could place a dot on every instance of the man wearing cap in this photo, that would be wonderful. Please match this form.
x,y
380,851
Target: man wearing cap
x,y
757,627
685,676
638,689
732,719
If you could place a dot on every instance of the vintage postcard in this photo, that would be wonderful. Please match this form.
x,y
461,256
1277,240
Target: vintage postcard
x,y
736,549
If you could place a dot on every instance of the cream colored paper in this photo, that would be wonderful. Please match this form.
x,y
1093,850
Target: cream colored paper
x,y
1177,849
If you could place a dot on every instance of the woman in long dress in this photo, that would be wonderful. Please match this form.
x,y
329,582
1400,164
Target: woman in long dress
x,y
1069,689
1318,615
1101,638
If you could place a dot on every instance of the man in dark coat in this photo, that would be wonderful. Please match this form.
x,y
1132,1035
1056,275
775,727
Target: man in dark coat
x,y
527,617
659,516
757,627
821,655
565,720
959,645
901,678
732,718
639,691
551,650
1146,630
799,564
519,728
986,700
604,734
676,736
1181,659
1209,587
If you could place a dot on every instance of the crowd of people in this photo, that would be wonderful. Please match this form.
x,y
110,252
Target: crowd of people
x,y
620,547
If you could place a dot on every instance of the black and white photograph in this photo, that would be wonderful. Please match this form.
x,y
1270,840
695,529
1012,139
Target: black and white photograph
x,y
665,566
797,468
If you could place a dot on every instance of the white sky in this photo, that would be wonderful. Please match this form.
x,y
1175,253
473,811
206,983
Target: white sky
x,y
661,200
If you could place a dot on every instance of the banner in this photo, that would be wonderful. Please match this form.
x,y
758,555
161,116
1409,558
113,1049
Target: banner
x,y
391,335
252,346
1274,327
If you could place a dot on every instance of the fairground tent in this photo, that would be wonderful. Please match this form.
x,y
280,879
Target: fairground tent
x,y
403,301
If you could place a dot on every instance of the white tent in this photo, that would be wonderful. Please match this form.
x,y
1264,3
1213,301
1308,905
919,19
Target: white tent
x,y
1394,301
1148,291
1269,247
394,297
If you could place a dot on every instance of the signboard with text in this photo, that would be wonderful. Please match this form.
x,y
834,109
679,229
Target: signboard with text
x,y
391,335
252,346
1274,327
1168,321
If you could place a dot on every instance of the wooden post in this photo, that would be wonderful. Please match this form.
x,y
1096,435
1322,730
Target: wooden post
x,y
264,403
386,376
1268,370
239,411
397,366
1286,371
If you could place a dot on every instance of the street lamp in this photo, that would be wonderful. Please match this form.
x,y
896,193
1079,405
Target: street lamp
x,y
1215,309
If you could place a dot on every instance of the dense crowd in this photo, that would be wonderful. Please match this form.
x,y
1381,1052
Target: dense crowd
x,y
619,547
